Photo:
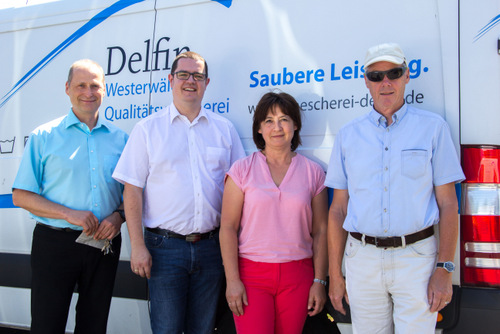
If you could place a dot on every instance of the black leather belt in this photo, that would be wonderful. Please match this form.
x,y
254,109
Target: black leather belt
x,y
394,241
193,237
62,229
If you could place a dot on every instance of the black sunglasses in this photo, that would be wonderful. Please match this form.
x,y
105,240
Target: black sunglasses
x,y
392,74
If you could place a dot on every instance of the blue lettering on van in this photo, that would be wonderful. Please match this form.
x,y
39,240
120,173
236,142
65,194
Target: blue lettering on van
x,y
286,77
116,89
337,73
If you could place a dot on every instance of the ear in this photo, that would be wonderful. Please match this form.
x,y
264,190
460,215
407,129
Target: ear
x,y
67,88
407,76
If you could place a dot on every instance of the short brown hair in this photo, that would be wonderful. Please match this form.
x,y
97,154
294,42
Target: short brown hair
x,y
268,103
190,55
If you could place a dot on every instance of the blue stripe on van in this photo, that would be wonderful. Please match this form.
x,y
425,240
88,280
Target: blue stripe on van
x,y
494,21
6,202
91,24
226,3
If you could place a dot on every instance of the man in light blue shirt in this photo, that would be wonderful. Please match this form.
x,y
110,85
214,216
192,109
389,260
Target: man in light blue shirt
x,y
393,173
65,182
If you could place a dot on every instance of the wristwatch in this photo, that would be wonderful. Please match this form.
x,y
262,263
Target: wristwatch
x,y
121,212
448,266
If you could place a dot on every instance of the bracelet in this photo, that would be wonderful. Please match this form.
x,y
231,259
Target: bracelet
x,y
320,281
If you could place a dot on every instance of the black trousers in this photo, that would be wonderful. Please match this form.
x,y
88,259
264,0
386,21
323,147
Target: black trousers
x,y
59,264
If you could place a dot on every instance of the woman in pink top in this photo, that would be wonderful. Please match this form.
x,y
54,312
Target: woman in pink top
x,y
273,226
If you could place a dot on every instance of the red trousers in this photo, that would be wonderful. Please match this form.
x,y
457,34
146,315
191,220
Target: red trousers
x,y
277,296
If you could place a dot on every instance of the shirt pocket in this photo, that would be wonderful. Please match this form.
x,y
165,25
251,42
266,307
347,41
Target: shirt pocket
x,y
413,163
217,159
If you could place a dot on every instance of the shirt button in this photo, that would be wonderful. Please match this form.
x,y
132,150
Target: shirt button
x,y
385,188
385,210
387,149
386,168
95,204
95,186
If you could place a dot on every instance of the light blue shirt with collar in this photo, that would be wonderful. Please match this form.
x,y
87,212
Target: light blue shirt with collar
x,y
390,171
68,164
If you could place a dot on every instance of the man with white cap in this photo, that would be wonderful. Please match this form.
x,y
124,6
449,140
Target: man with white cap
x,y
393,172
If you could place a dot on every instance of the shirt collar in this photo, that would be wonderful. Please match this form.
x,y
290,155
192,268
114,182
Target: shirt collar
x,y
174,113
73,120
380,120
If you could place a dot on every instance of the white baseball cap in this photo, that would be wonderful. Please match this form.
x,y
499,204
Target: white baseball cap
x,y
390,52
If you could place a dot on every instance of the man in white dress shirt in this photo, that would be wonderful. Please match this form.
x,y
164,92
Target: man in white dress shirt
x,y
173,168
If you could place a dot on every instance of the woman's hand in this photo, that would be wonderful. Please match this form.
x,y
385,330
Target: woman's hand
x,y
317,299
236,296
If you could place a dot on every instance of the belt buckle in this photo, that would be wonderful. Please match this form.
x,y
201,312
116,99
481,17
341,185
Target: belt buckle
x,y
194,237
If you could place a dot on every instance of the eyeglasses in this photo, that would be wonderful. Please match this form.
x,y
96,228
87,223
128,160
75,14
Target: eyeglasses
x,y
184,75
392,74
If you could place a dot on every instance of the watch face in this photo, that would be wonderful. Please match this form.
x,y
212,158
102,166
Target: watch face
x,y
449,266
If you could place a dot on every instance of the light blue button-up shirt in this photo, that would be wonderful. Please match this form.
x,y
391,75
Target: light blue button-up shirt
x,y
390,171
68,164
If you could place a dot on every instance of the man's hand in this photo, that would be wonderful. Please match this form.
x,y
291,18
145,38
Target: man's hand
x,y
109,227
141,261
439,291
85,219
337,292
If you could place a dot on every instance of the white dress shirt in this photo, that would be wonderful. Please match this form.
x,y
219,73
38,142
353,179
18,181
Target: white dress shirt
x,y
181,167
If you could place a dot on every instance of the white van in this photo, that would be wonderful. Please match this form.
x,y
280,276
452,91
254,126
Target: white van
x,y
311,49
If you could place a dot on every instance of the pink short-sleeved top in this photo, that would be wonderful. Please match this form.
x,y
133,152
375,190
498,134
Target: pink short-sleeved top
x,y
276,222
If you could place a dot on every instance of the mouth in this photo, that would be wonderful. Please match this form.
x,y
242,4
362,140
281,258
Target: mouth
x,y
189,89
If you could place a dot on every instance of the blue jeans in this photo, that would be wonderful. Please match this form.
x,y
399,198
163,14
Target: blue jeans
x,y
185,282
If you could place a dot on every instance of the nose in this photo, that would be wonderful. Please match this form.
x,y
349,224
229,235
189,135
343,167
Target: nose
x,y
386,80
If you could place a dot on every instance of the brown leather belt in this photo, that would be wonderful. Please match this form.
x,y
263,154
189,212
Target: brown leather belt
x,y
394,241
193,237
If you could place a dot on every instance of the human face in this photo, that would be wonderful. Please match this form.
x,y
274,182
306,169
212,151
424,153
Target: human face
x,y
188,91
277,129
388,95
86,90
